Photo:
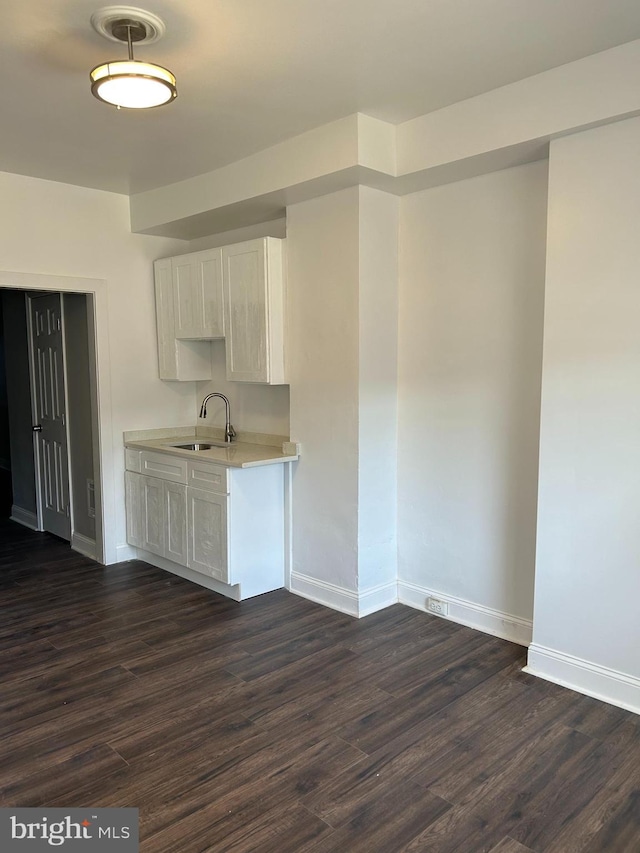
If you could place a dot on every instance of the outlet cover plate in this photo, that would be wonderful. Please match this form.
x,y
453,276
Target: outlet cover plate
x,y
435,605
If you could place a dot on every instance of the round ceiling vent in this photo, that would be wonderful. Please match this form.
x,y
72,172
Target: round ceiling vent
x,y
112,21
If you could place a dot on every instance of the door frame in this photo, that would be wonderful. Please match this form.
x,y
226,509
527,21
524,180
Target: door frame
x,y
104,469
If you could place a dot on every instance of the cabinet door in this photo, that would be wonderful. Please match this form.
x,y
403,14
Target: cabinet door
x,y
167,352
185,297
197,295
177,360
175,503
246,311
209,277
207,524
133,504
153,515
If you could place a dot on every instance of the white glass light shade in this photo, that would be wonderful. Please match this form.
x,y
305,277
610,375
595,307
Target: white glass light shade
x,y
132,84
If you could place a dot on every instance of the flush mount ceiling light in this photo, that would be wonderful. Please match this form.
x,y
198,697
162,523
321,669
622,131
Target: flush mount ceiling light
x,y
130,83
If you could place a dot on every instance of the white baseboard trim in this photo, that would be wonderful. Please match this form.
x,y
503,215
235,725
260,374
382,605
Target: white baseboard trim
x,y
345,600
468,613
125,553
377,598
24,517
84,545
602,683
335,597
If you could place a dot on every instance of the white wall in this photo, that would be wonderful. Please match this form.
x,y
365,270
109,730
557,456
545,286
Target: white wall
x,y
342,251
378,391
254,407
322,246
273,228
56,229
472,260
588,564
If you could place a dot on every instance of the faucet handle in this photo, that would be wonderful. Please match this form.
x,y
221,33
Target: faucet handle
x,y
229,433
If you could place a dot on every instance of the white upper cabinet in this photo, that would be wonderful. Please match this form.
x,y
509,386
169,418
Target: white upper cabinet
x,y
254,311
197,295
234,292
177,359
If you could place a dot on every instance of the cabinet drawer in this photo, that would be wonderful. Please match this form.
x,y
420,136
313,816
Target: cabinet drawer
x,y
132,460
208,476
164,466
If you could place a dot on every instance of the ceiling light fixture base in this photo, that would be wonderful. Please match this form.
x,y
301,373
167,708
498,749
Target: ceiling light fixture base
x,y
110,22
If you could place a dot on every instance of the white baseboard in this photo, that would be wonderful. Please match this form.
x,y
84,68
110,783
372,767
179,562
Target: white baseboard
x,y
377,598
335,597
603,683
125,553
468,613
345,600
24,517
84,545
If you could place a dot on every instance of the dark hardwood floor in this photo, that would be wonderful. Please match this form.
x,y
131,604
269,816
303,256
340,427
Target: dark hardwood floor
x,y
278,725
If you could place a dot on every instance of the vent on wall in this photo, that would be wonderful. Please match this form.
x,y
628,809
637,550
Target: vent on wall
x,y
91,499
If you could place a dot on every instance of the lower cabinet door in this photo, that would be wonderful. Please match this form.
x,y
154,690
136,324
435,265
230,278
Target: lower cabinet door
x,y
175,501
153,515
133,504
207,516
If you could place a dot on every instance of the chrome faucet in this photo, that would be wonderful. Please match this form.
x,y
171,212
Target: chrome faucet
x,y
229,431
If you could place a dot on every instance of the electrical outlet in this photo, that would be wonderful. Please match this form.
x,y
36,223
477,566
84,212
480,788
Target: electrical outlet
x,y
434,605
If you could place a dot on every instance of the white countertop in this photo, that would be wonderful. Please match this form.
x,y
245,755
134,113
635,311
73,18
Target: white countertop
x,y
238,454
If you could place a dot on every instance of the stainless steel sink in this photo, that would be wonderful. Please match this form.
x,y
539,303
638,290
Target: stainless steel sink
x,y
198,445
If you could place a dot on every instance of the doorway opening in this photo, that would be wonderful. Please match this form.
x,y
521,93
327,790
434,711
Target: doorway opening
x,y
56,394
51,404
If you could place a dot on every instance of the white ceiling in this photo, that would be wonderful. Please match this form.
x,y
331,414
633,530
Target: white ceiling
x,y
254,72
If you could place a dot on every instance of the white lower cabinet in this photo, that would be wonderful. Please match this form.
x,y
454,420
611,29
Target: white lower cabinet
x,y
227,526
153,515
157,516
175,513
207,514
133,504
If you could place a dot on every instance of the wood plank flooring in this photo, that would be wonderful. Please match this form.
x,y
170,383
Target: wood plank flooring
x,y
278,725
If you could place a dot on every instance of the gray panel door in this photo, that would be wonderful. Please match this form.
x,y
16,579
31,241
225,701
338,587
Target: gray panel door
x,y
48,360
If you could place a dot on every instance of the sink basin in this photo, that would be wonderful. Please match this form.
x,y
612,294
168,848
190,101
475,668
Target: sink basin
x,y
200,445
